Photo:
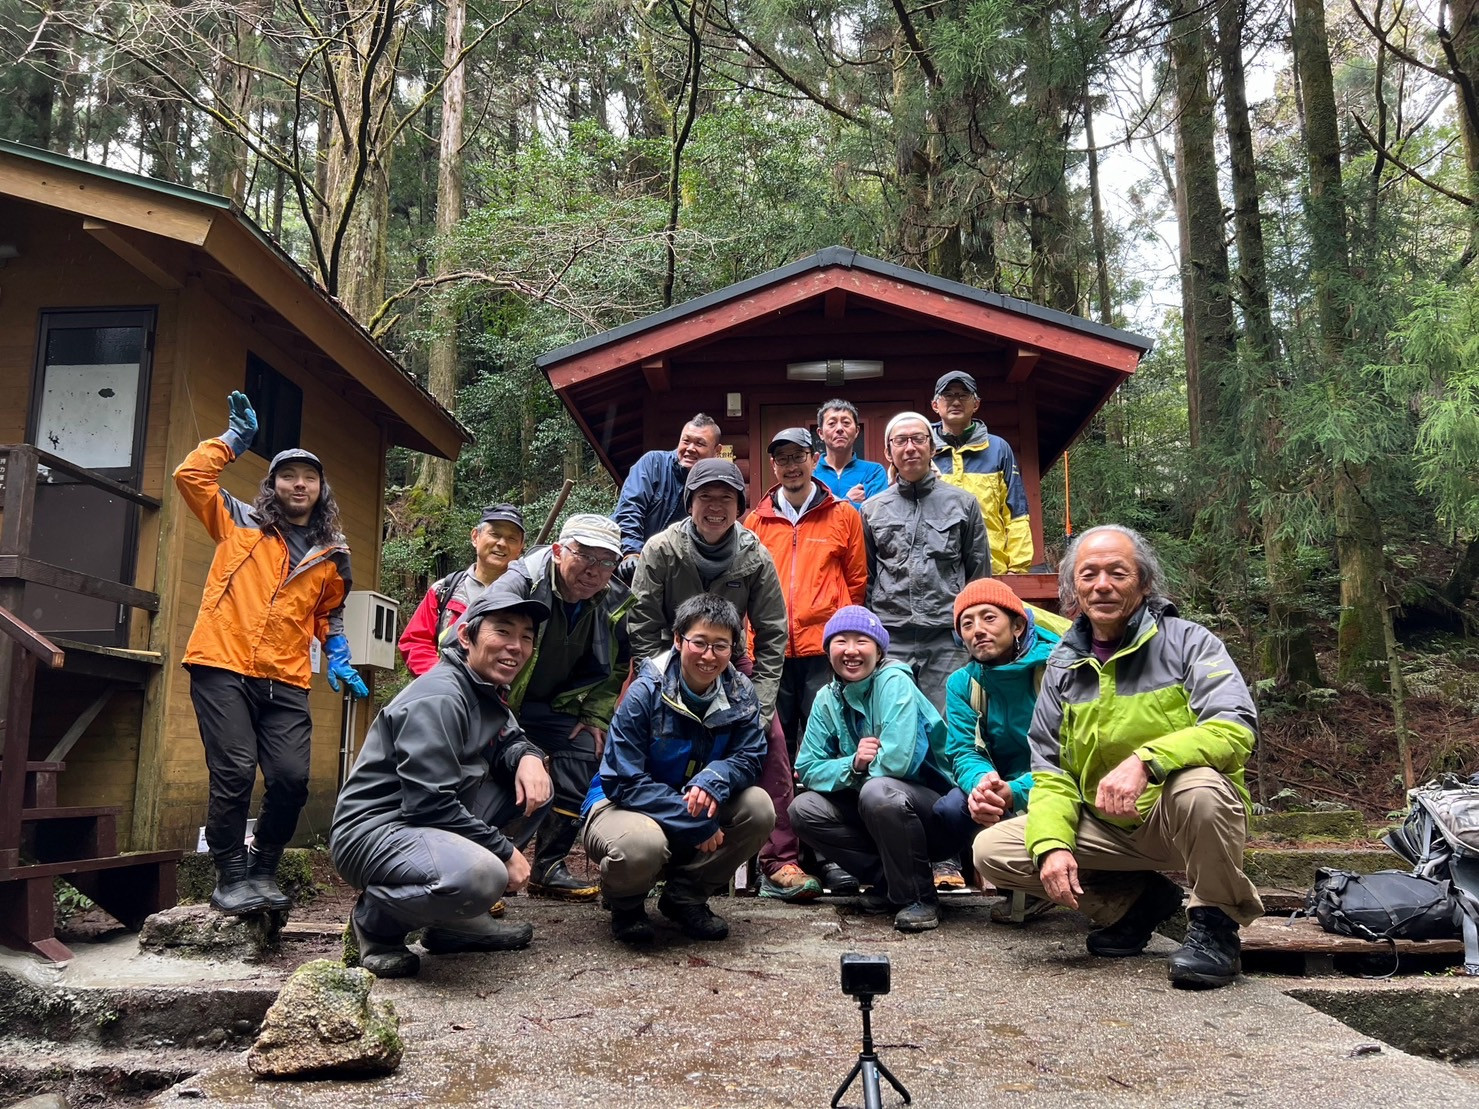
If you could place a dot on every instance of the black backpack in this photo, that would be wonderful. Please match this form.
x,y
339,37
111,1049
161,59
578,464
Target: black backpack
x,y
1387,905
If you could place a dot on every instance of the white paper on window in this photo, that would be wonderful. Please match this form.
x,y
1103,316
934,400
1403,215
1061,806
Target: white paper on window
x,y
87,414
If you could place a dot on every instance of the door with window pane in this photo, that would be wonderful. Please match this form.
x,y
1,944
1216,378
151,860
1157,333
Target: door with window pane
x,y
89,404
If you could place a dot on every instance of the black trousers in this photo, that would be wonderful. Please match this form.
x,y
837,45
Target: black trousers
x,y
246,723
802,678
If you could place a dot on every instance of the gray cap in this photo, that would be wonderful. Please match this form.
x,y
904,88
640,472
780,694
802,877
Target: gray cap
x,y
711,471
502,514
501,600
295,454
792,436
948,379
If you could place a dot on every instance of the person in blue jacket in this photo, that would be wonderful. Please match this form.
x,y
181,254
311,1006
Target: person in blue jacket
x,y
874,757
989,704
652,494
676,796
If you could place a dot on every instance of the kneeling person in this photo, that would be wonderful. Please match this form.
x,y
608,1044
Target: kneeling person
x,y
676,795
419,825
874,753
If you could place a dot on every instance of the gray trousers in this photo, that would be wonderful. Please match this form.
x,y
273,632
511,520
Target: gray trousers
x,y
933,655
633,851
886,834
419,876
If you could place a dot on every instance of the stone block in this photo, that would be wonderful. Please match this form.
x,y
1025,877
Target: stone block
x,y
1294,868
325,1024
1341,824
199,932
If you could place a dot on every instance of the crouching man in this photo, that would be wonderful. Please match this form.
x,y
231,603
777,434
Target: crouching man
x,y
419,826
1139,738
676,795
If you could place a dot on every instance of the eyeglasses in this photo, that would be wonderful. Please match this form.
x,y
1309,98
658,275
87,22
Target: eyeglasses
x,y
794,459
606,564
956,396
704,646
910,440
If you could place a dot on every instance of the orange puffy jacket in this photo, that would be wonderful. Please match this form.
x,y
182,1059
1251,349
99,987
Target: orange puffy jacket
x,y
259,611
821,560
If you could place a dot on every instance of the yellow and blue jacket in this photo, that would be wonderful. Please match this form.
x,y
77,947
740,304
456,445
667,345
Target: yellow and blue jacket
x,y
984,466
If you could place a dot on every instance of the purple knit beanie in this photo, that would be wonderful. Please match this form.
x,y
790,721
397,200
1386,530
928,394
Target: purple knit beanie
x,y
856,618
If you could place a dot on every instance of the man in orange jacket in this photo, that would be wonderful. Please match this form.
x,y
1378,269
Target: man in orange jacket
x,y
278,580
816,542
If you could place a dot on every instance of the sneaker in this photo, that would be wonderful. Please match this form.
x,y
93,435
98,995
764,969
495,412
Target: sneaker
x,y
790,883
561,885
382,957
948,877
918,917
632,926
1212,953
1128,936
837,881
695,920
1001,912
490,935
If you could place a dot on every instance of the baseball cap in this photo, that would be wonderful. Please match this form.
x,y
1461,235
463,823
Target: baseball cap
x,y
794,437
590,530
295,454
502,513
501,600
951,378
710,471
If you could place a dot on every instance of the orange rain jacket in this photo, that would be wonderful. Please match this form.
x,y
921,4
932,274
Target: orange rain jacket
x,y
258,612
821,561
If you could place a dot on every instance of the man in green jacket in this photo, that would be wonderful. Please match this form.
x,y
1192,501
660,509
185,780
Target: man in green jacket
x,y
1141,731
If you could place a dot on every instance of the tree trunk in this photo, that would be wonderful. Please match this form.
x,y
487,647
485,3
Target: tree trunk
x,y
1096,209
441,378
1358,538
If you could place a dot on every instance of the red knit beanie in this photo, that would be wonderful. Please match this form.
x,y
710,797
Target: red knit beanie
x,y
988,591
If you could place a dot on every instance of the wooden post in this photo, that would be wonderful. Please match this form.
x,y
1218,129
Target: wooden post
x,y
17,667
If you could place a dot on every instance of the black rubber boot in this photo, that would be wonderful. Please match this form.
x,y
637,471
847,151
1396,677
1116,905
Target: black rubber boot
x,y
481,934
632,925
1212,953
551,877
1130,933
235,893
382,956
262,870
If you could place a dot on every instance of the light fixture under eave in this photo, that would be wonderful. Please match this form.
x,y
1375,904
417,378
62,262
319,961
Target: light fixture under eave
x,y
833,371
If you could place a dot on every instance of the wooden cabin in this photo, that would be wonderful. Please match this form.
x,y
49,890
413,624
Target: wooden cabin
x,y
129,309
761,355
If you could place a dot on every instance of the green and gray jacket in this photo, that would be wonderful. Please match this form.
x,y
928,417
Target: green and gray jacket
x,y
667,575
595,681
1170,695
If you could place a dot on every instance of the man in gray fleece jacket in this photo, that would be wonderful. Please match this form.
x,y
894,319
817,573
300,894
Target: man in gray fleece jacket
x,y
445,768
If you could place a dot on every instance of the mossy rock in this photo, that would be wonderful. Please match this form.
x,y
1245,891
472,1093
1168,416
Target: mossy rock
x,y
1341,824
197,876
1294,868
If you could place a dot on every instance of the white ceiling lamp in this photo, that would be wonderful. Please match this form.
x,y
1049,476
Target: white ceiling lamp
x,y
833,371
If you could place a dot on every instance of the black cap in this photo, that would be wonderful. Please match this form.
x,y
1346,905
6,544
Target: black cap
x,y
947,379
710,471
794,437
294,454
502,513
501,600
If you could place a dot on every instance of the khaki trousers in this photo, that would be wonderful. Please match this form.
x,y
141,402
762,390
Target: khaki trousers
x,y
633,851
1198,825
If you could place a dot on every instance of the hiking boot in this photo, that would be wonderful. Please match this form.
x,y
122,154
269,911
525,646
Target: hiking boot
x,y
235,893
1001,912
790,883
1212,953
560,884
948,877
837,881
918,917
876,902
489,935
694,919
381,956
1157,903
632,926
262,862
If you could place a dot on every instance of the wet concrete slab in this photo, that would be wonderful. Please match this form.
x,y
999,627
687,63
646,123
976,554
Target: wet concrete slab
x,y
980,1014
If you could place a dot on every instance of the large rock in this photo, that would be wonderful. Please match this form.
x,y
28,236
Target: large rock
x,y
199,932
325,1024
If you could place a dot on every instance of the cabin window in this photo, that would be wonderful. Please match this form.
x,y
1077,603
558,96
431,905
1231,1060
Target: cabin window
x,y
279,406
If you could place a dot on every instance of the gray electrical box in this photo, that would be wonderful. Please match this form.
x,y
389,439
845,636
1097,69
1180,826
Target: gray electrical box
x,y
370,627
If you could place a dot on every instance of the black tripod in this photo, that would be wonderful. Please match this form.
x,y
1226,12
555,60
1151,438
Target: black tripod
x,y
870,1066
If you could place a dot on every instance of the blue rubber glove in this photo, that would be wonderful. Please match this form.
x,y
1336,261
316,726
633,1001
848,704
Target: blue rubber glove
x,y
241,423
337,649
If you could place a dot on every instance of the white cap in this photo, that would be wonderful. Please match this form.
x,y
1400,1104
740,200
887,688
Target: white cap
x,y
590,530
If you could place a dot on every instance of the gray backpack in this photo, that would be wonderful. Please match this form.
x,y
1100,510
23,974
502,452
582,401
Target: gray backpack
x,y
1440,838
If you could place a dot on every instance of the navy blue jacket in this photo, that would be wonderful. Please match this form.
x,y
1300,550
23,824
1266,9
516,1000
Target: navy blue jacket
x,y
651,499
656,748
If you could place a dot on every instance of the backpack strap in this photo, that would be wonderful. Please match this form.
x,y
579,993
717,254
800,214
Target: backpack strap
x,y
978,706
443,590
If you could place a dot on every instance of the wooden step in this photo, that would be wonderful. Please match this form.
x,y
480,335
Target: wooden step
x,y
130,887
71,832
1299,945
40,790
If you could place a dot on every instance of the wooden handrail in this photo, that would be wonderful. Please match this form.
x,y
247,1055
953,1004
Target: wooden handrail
x,y
33,641
18,568
108,485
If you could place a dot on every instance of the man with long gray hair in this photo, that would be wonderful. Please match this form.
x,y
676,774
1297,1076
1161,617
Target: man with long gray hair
x,y
1142,729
